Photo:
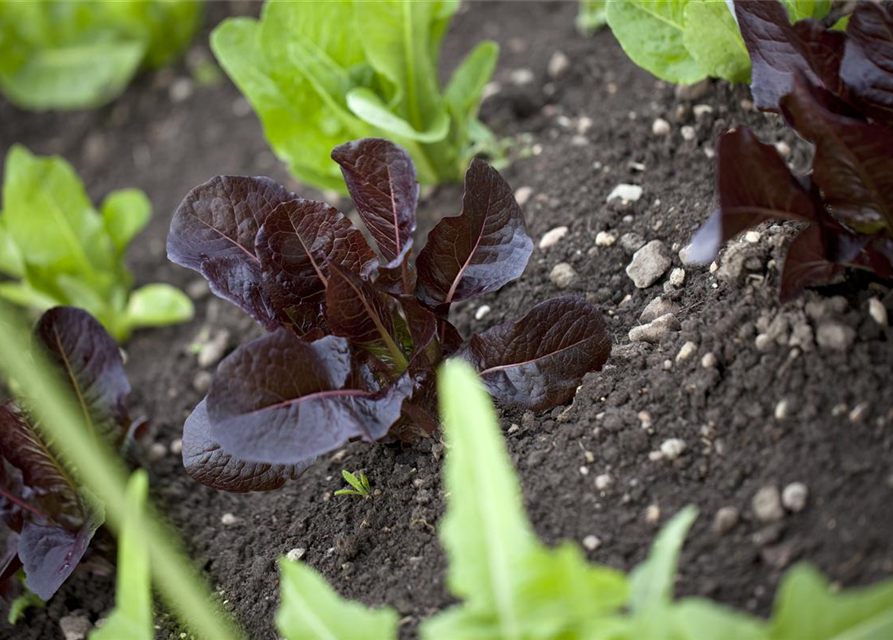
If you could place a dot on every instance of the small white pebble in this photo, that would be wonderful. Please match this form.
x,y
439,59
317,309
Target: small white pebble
x,y
482,310
584,124
781,410
709,361
688,133
584,471
655,456
559,63
725,520
156,452
672,448
763,342
180,90
660,127
713,266
766,504
701,109
677,277
591,543
228,520
605,239
645,419
626,193
603,481
859,412
794,496
296,554
522,195
752,237
652,514
877,311
176,446
551,237
520,77
783,148
562,275
686,351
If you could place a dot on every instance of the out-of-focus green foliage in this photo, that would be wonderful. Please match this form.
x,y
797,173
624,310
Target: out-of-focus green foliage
x,y
58,250
81,54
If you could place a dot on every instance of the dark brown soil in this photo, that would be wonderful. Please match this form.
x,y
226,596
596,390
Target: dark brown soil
x,y
837,436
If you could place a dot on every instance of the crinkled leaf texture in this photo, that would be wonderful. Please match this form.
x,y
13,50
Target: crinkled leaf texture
x,y
281,400
539,361
480,250
208,463
381,179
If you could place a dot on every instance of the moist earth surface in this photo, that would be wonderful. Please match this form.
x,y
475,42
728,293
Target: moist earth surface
x,y
739,396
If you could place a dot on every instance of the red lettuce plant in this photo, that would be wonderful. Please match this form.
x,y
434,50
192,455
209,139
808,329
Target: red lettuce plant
x,y
835,89
354,336
52,518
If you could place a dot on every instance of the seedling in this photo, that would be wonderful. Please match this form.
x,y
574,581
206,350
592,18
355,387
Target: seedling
x,y
82,55
354,336
512,586
359,482
832,88
320,73
57,249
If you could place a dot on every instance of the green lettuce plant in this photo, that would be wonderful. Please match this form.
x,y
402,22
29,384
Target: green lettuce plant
x,y
321,73
83,54
512,587
57,249
685,41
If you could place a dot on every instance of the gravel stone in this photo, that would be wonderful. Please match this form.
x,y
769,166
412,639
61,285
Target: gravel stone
x,y
649,264
767,506
631,242
672,448
520,77
752,237
626,193
660,127
832,335
794,497
176,446
709,361
725,520
655,330
296,554
213,350
156,452
686,351
228,520
563,275
551,237
559,63
859,412
522,195
877,311
202,381
656,308
603,481
75,627
605,239
692,92
688,133
591,542
677,277
482,311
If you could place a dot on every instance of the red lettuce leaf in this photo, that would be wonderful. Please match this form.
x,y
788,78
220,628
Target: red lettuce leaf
x,y
806,264
280,400
381,179
50,554
296,244
43,472
480,250
867,67
754,185
780,50
91,364
853,163
356,310
539,361
208,463
213,232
